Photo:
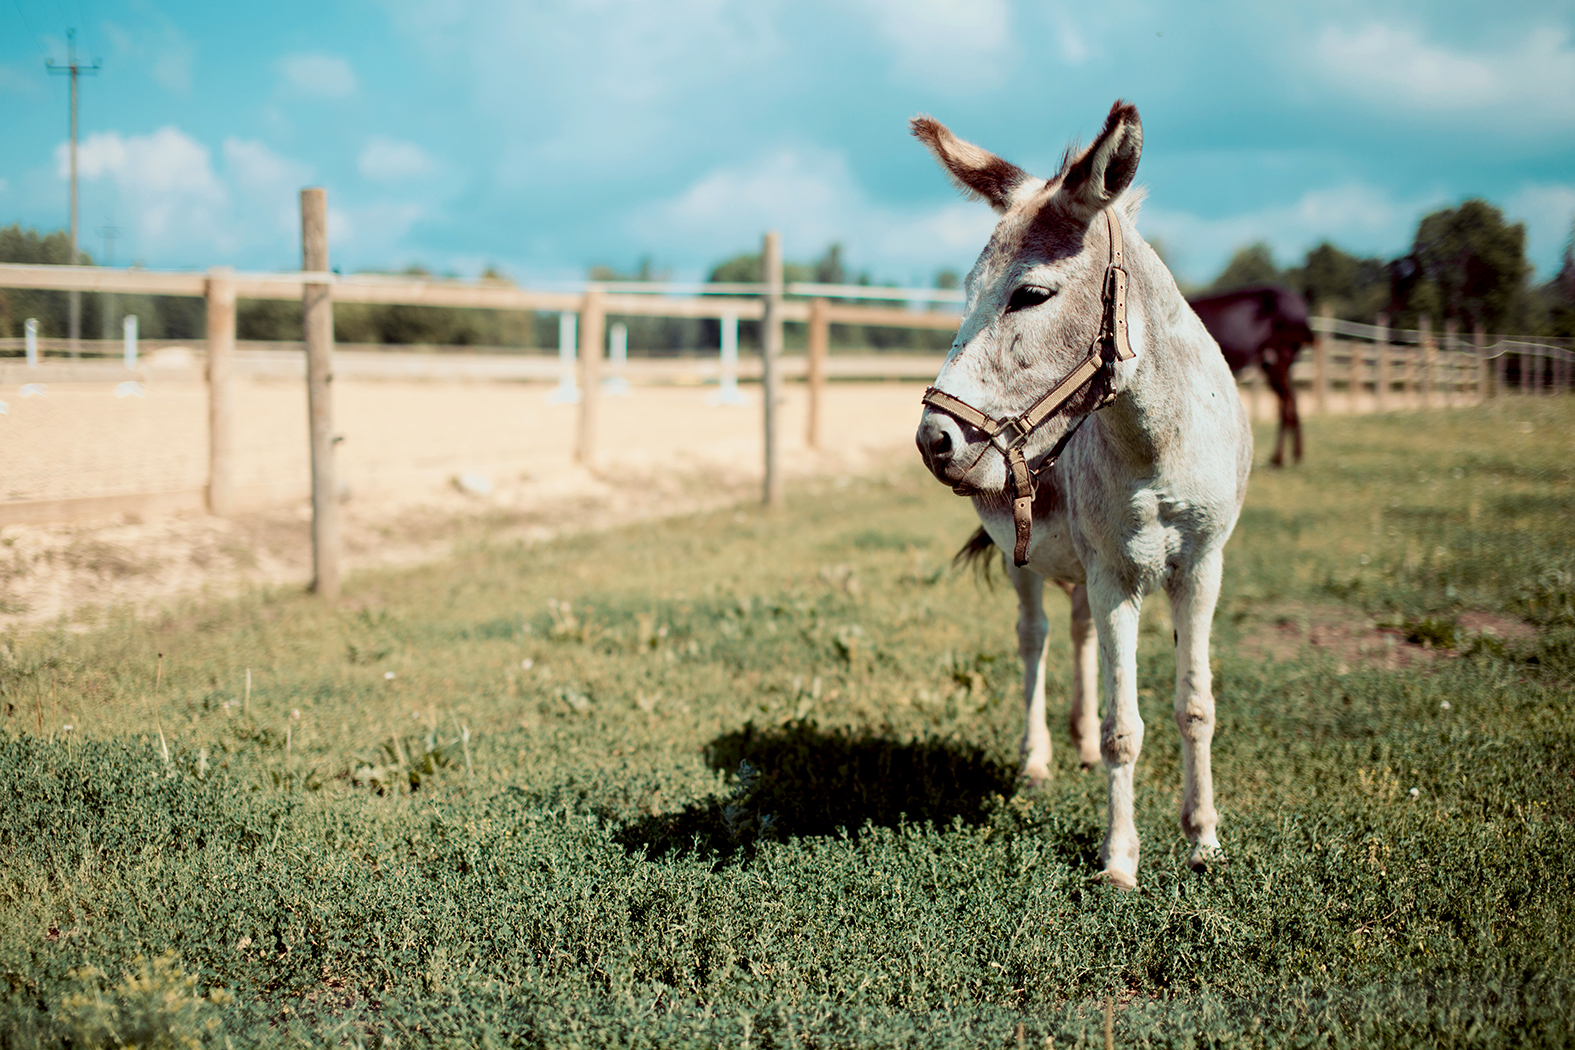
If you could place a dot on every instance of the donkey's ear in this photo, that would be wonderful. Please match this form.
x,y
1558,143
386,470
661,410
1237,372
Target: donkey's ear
x,y
977,172
1106,168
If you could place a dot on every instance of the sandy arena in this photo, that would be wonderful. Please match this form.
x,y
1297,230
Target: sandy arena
x,y
421,464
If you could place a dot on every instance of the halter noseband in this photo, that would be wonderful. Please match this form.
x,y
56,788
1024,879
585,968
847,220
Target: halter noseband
x,y
1011,433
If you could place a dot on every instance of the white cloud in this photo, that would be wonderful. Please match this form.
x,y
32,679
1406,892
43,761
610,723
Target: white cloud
x,y
1069,38
393,160
811,196
1548,210
180,209
372,234
1358,218
962,44
1527,86
165,184
271,184
258,169
317,76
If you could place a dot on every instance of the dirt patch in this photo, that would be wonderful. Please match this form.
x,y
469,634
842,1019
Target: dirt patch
x,y
1351,639
1491,625
1356,640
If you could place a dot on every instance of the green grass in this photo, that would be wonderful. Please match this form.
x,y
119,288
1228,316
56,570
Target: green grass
x,y
756,787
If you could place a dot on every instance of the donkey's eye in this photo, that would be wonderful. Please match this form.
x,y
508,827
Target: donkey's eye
x,y
1028,295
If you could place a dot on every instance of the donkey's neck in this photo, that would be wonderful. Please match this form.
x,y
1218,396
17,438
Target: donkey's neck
x,y
1151,419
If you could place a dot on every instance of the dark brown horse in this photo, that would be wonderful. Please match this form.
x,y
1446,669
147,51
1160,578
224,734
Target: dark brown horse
x,y
1263,325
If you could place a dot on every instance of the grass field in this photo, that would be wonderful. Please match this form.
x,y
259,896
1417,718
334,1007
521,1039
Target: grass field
x,y
749,780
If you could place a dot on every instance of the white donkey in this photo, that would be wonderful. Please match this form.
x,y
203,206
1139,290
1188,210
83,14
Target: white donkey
x,y
1092,419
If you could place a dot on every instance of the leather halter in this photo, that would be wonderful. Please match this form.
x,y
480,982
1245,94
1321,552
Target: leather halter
x,y
1011,433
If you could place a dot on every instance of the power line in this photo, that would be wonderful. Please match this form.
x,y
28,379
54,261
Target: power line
x,y
37,36
73,69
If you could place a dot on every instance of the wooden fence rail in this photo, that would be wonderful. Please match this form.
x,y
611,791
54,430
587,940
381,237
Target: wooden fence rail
x,y
1351,367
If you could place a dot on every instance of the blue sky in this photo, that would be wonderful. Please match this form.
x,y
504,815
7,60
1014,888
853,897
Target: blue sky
x,y
545,137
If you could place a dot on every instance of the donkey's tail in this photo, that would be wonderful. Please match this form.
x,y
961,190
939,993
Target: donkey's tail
x,y
976,553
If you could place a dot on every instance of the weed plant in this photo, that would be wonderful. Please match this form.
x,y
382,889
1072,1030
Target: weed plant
x,y
748,779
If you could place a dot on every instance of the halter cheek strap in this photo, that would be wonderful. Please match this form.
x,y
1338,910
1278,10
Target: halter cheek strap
x,y
1008,435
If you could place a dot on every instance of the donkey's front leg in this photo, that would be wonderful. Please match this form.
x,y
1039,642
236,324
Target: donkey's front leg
x,y
1121,733
1192,599
1033,632
1084,717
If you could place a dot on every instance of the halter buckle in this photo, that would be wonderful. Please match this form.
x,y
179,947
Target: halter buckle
x,y
1012,434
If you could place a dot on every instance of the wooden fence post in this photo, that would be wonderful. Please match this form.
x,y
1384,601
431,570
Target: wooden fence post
x,y
1489,381
1422,367
1381,372
1451,362
317,324
593,332
220,295
770,349
1321,360
1359,351
819,344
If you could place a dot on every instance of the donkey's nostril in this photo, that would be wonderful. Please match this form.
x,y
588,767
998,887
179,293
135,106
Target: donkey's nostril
x,y
935,442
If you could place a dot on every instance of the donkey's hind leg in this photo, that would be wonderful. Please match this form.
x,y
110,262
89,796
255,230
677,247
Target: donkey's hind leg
x,y
1084,717
1033,632
1192,599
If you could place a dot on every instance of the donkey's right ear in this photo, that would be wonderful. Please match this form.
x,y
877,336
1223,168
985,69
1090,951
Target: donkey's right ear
x,y
977,172
1105,169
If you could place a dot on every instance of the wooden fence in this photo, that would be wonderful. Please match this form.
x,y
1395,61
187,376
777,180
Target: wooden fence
x,y
1352,367
1373,368
318,288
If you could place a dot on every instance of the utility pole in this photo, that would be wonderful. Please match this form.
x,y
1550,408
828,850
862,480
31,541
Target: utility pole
x,y
71,67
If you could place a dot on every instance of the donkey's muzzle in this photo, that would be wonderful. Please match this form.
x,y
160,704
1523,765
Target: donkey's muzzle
x,y
940,440
937,441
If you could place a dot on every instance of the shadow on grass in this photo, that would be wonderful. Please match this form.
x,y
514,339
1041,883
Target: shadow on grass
x,y
800,780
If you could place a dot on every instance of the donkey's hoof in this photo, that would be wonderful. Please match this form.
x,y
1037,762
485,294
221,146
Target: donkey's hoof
x,y
1117,878
1206,857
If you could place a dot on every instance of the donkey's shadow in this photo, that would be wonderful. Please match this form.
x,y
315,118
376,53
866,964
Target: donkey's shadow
x,y
800,780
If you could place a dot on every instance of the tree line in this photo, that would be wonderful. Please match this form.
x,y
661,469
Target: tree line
x,y
1466,264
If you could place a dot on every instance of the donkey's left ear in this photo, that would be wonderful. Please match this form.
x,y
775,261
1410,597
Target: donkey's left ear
x,y
1107,167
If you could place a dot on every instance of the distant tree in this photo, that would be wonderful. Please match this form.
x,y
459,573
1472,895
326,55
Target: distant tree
x,y
31,248
1475,263
1253,264
271,320
644,272
1558,295
653,336
1354,288
748,269
829,268
947,280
